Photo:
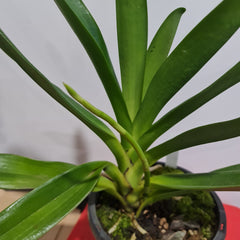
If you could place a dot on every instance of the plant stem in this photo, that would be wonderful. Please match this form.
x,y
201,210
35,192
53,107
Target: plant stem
x,y
108,186
117,127
56,93
118,177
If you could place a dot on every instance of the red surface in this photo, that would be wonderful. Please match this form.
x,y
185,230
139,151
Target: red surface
x,y
233,222
82,230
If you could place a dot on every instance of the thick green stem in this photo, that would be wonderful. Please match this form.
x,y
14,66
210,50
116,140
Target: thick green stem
x,y
120,129
124,161
118,177
107,185
56,93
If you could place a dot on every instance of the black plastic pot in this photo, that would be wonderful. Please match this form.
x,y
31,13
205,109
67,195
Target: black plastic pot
x,y
222,223
94,223
100,234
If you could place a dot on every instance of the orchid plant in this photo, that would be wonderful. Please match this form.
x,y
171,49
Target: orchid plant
x,y
150,77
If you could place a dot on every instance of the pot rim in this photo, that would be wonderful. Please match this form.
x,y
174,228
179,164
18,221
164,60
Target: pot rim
x,y
100,233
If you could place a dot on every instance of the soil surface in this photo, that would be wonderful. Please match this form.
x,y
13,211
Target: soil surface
x,y
164,220
161,222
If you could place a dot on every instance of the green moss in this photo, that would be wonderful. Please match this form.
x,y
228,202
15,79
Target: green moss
x,y
109,215
206,232
184,204
197,206
123,230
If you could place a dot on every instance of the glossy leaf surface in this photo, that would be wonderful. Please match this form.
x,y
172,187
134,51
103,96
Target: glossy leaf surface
x,y
187,59
38,211
160,46
200,135
216,180
87,31
229,79
132,44
18,172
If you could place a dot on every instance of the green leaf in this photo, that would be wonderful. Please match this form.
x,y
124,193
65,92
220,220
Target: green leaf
x,y
160,46
187,59
38,211
104,184
178,113
18,172
134,174
229,168
132,44
200,135
87,31
86,117
221,179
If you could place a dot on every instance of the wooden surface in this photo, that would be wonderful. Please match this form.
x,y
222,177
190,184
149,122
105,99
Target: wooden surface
x,y
59,232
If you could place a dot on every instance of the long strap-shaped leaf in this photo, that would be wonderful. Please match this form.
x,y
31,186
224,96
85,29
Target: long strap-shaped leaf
x,y
187,59
229,79
18,172
89,34
216,180
160,46
169,185
132,44
229,168
86,117
200,135
38,211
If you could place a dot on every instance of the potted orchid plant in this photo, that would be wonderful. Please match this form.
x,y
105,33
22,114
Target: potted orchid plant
x,y
150,77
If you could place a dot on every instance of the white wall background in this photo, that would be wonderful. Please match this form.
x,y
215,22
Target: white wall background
x,y
34,125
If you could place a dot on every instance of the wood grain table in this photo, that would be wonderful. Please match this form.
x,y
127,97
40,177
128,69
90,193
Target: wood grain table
x,y
60,232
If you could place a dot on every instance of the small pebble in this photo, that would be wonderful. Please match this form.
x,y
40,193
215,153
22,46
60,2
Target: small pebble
x,y
176,225
195,232
190,232
162,221
176,235
145,211
163,231
191,225
165,225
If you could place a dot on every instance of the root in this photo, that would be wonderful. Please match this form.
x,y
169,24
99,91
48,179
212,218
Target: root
x,y
133,237
155,167
135,224
138,227
114,227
